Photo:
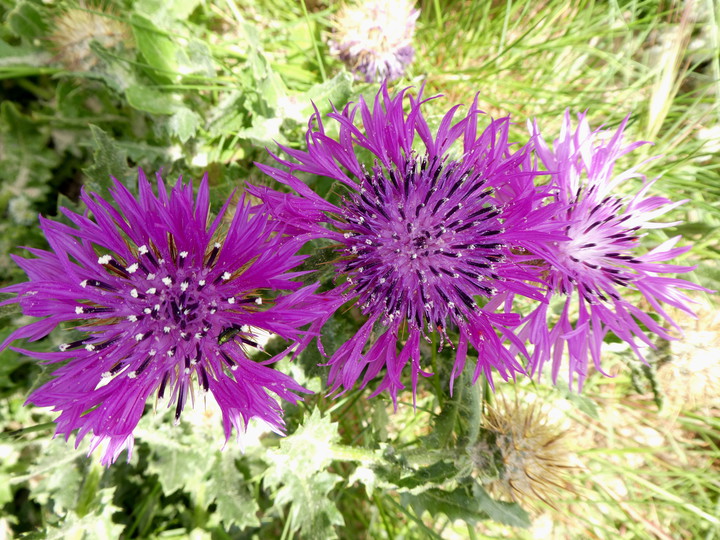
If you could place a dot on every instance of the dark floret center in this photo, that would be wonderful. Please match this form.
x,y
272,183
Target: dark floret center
x,y
421,242
602,238
170,310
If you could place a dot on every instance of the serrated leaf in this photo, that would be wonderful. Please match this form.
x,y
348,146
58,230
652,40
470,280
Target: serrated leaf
x,y
109,160
228,488
98,524
336,91
178,459
456,504
502,512
184,124
59,476
27,22
311,512
26,171
432,474
157,48
264,132
22,55
296,471
583,403
269,84
307,446
366,476
162,10
150,100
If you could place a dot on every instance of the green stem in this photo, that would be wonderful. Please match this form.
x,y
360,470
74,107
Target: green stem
x,y
436,378
20,432
353,453
318,56
341,452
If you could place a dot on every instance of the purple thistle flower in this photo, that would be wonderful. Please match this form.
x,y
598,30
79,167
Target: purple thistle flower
x,y
374,39
421,235
162,303
600,260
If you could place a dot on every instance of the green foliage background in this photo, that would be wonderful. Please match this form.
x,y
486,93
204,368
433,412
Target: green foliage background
x,y
193,86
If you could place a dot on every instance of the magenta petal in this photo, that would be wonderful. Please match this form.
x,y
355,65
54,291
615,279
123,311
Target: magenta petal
x,y
163,303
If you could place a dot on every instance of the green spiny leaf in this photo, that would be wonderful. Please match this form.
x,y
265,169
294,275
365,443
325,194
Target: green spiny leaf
x,y
109,161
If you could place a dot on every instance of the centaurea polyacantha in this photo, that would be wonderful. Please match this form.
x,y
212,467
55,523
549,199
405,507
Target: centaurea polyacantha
x,y
601,260
374,38
420,235
162,300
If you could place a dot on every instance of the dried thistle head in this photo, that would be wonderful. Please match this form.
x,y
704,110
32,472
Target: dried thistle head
x,y
534,451
374,39
77,28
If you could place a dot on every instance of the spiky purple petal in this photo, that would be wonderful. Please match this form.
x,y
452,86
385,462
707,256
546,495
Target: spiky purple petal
x,y
162,301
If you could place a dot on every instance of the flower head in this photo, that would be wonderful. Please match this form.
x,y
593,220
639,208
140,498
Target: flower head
x,y
77,28
161,301
534,452
423,243
374,39
601,260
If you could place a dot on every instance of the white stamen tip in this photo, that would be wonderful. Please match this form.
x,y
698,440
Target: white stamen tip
x,y
133,268
79,310
258,301
132,318
167,281
151,290
63,347
105,259
226,276
134,293
83,283
132,375
184,285
142,250
183,254
187,371
90,347
106,374
151,276
216,245
231,300
138,337
166,330
201,282
147,310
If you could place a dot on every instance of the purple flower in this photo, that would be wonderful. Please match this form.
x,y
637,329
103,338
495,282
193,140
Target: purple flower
x,y
160,300
601,261
424,244
374,39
